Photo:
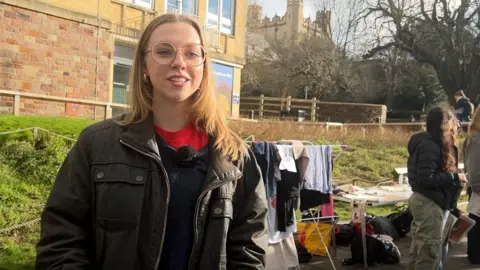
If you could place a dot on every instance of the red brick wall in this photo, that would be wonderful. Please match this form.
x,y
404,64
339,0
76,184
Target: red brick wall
x,y
48,55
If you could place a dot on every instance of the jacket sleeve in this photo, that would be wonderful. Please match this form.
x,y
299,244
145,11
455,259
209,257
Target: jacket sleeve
x,y
66,233
428,172
467,109
248,237
471,158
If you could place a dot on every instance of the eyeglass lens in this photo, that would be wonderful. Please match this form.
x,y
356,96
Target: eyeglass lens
x,y
164,54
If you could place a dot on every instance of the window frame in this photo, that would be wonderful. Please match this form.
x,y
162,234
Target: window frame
x,y
220,20
195,9
141,4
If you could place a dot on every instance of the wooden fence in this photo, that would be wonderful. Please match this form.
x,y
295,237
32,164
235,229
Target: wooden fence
x,y
265,107
272,107
18,95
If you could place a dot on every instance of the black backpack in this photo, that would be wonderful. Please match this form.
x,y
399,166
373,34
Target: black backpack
x,y
383,225
402,221
379,251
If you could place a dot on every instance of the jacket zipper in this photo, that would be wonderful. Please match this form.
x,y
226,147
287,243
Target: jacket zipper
x,y
159,162
190,265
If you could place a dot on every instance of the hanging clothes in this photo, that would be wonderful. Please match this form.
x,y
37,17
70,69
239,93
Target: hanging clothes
x,y
288,189
268,159
282,255
319,171
312,198
301,157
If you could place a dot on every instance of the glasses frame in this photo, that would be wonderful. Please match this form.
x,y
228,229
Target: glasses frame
x,y
175,49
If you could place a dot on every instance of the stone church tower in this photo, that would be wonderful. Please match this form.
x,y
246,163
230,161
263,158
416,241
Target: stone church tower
x,y
291,27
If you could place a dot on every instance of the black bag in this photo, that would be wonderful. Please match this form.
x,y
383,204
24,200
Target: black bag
x,y
402,221
303,255
383,225
344,234
380,250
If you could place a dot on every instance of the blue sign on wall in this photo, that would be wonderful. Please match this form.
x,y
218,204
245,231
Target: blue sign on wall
x,y
223,77
235,98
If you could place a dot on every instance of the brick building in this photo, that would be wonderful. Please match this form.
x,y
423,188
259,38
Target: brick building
x,y
84,50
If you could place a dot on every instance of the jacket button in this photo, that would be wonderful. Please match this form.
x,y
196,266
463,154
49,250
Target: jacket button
x,y
139,178
100,175
217,211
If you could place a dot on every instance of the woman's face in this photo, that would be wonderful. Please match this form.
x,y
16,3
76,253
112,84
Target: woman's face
x,y
174,62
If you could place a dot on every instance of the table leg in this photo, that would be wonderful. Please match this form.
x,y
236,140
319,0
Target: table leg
x,y
362,206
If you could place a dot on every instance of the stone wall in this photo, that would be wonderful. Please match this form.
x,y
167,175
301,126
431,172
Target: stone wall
x,y
48,55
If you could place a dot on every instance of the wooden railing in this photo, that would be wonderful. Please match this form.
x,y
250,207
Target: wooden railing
x,y
18,95
271,107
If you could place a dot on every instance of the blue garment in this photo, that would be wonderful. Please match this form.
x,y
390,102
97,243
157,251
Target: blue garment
x,y
269,160
319,171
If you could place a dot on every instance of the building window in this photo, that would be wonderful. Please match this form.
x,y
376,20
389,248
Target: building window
x,y
221,12
123,63
142,3
188,6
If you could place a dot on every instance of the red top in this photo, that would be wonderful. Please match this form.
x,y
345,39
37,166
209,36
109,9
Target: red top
x,y
187,136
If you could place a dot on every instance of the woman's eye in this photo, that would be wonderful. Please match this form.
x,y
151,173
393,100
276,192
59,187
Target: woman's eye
x,y
192,54
164,52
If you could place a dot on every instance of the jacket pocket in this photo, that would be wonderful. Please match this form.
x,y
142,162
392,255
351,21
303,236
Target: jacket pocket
x,y
220,218
119,194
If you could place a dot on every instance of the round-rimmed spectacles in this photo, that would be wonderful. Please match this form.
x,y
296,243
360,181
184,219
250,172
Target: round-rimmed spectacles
x,y
164,53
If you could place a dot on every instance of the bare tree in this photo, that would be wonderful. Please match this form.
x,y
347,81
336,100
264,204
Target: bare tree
x,y
315,64
436,32
345,22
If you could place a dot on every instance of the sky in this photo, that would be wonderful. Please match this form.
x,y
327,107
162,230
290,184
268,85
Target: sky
x,y
270,7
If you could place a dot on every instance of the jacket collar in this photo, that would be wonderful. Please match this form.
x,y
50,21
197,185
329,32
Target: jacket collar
x,y
142,135
222,167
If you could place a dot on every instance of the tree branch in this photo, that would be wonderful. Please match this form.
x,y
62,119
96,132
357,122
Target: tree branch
x,y
372,52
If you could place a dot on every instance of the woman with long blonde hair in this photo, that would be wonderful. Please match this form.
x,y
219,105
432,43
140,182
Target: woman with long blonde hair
x,y
166,186
471,152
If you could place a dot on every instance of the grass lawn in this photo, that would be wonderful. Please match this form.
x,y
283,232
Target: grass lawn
x,y
22,197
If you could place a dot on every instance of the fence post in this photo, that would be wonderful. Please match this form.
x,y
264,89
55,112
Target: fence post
x,y
314,109
382,129
16,104
35,133
289,103
108,111
260,113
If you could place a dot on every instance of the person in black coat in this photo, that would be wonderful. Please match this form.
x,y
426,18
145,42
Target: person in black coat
x,y
463,107
436,185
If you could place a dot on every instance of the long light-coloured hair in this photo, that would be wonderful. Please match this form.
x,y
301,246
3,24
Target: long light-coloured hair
x,y
205,111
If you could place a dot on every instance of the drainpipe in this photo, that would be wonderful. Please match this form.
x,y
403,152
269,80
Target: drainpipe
x,y
97,59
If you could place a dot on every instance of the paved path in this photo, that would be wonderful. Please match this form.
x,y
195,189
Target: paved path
x,y
457,259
